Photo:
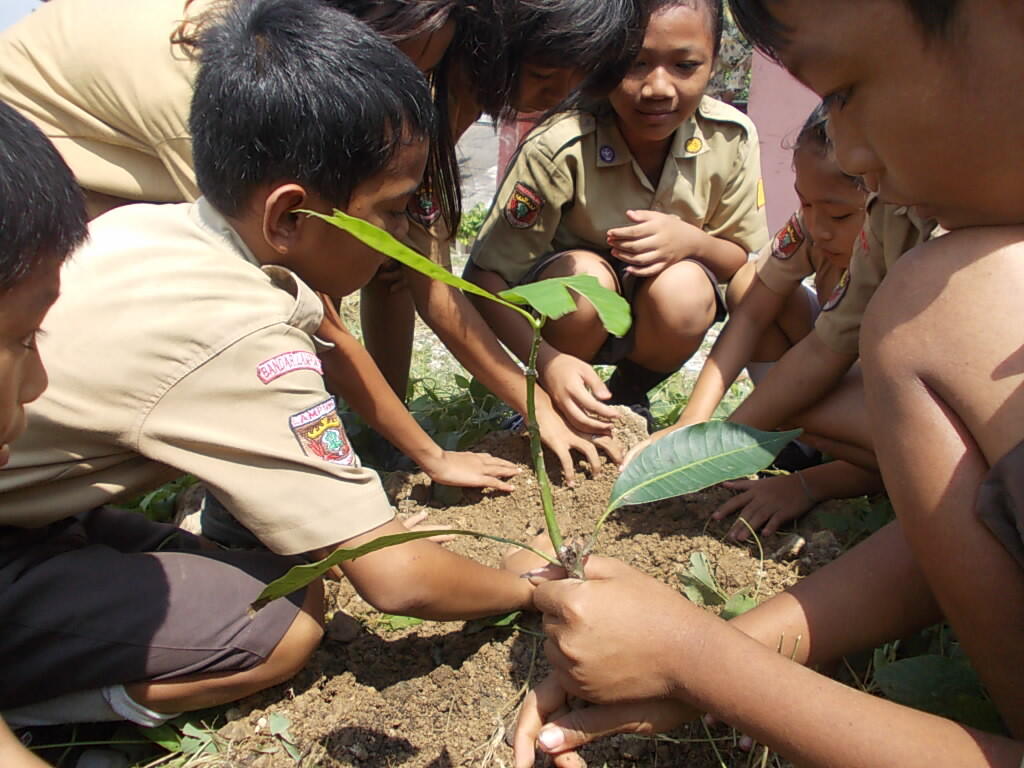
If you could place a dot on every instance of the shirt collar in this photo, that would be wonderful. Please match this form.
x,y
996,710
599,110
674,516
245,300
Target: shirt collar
x,y
210,219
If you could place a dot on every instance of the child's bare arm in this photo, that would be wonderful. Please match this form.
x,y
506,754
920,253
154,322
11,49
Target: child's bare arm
x,y
423,579
940,375
351,373
801,378
733,350
13,754
663,646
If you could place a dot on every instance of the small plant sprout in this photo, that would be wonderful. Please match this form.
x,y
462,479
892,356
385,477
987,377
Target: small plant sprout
x,y
683,462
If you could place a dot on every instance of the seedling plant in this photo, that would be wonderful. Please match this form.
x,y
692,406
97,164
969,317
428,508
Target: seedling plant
x,y
685,461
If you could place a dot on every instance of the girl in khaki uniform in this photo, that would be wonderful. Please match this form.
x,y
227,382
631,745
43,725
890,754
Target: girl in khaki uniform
x,y
656,192
771,310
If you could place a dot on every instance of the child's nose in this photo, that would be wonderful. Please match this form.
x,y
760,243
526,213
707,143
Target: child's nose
x,y
657,85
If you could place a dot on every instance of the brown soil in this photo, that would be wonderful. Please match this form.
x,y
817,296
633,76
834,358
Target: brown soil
x,y
446,694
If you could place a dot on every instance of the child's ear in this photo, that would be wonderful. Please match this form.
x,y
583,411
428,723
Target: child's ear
x,y
282,225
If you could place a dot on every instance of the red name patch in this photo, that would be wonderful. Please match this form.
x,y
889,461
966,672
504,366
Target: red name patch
x,y
789,239
523,207
320,434
278,365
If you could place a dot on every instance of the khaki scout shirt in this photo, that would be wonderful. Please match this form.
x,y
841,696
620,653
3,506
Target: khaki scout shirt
x,y
889,232
574,179
101,79
790,257
170,347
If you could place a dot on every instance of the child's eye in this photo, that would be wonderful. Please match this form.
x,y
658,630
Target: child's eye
x,y
844,217
540,75
688,66
29,342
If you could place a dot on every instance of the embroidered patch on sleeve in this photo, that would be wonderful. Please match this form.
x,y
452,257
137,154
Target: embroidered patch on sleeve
x,y
788,239
838,292
320,434
423,209
523,207
277,366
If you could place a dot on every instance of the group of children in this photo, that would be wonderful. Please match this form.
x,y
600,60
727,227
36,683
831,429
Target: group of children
x,y
202,337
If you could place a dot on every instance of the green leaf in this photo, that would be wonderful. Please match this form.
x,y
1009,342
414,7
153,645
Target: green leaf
x,y
299,576
739,603
164,735
501,620
694,458
396,623
383,242
552,299
942,686
699,583
279,725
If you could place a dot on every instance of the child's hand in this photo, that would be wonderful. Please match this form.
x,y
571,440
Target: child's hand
x,y
577,392
768,501
656,241
521,561
470,470
619,636
547,720
563,441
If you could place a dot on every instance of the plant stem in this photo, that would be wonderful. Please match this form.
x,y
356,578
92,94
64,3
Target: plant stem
x,y
536,449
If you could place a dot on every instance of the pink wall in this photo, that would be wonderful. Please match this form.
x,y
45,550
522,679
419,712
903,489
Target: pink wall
x,y
778,106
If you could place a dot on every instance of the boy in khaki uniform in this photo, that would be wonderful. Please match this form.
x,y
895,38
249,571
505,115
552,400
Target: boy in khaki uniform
x,y
119,115
657,193
185,340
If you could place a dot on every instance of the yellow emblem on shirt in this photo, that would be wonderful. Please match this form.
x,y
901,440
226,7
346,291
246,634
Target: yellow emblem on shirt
x,y
694,145
760,194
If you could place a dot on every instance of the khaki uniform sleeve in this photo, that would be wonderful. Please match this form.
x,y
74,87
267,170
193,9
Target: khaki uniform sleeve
x,y
785,261
524,217
838,325
176,156
255,423
740,214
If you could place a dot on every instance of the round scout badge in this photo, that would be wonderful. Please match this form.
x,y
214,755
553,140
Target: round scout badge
x,y
838,292
606,153
422,209
788,239
523,206
694,145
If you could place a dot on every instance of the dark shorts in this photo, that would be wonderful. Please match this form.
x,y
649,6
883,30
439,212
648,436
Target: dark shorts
x,y
615,349
111,597
1001,502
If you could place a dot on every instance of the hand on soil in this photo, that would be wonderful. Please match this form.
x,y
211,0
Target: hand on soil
x,y
577,391
768,502
472,470
547,721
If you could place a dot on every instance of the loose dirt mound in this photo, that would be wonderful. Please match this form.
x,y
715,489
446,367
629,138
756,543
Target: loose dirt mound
x,y
446,694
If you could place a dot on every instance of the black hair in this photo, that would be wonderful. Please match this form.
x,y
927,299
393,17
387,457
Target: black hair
x,y
713,8
396,21
297,90
769,36
813,137
600,38
42,210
